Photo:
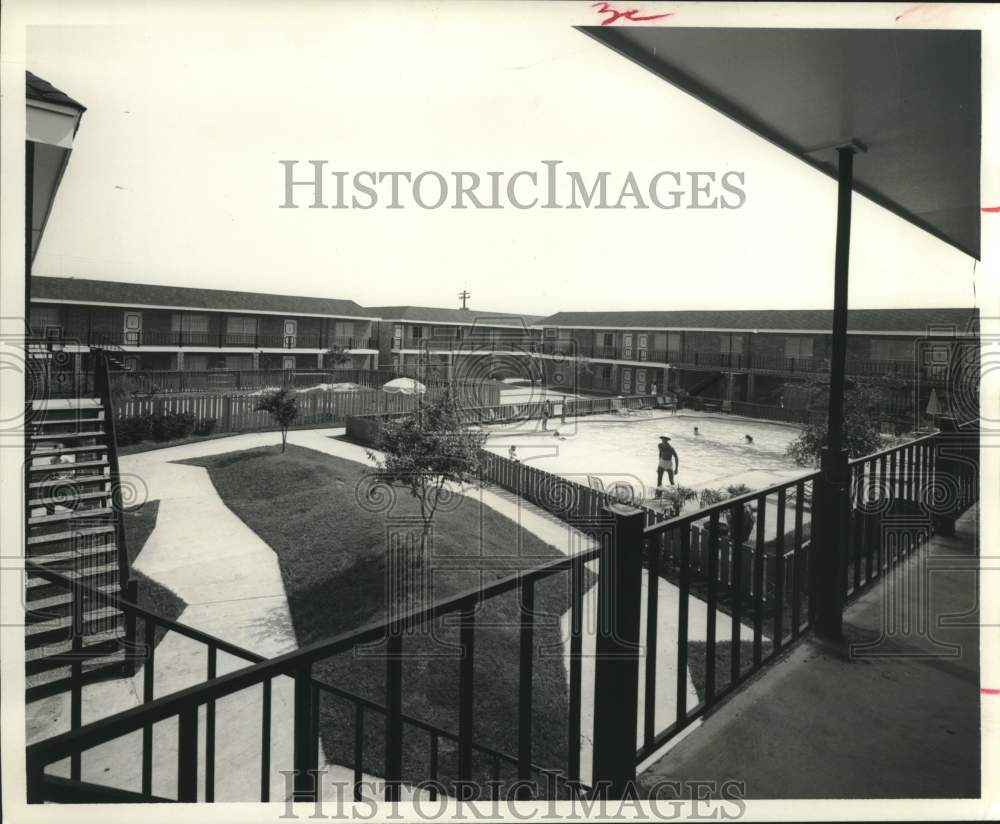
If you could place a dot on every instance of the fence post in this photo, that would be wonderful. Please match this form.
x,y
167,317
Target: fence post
x,y
227,412
616,679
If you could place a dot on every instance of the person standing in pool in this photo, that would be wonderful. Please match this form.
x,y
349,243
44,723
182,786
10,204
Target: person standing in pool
x,y
669,461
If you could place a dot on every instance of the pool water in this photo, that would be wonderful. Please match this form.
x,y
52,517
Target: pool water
x,y
624,448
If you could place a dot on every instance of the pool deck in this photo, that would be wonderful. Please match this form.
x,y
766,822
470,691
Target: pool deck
x,y
879,715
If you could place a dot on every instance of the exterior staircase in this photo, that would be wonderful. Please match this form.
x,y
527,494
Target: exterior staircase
x,y
75,528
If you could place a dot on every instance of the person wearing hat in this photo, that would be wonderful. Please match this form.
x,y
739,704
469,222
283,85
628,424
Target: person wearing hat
x,y
669,461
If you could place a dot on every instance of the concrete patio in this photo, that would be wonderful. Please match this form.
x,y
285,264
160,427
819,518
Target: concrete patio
x,y
891,712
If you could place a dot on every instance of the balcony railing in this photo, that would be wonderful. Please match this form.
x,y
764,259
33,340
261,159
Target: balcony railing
x,y
205,340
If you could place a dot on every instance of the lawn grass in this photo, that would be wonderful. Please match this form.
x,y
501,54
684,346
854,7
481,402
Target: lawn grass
x,y
332,552
139,524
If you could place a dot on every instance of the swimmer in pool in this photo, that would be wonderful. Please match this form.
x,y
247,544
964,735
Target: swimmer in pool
x,y
696,432
749,439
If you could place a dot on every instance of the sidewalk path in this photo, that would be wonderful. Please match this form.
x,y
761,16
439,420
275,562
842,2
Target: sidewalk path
x,y
231,582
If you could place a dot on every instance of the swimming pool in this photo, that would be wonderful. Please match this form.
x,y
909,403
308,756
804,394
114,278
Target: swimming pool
x,y
624,448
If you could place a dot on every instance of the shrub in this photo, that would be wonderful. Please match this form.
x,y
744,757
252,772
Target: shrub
x,y
155,426
172,426
205,427
135,429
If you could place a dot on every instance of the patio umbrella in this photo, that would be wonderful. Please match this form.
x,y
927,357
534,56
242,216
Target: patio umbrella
x,y
404,386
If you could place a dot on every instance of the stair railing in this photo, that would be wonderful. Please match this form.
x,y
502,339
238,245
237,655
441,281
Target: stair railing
x,y
127,586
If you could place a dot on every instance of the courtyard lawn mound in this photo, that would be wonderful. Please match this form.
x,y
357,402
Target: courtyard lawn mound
x,y
332,553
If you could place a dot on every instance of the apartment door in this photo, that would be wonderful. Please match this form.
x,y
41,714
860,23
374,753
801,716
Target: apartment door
x,y
133,328
627,381
643,341
627,346
291,331
640,381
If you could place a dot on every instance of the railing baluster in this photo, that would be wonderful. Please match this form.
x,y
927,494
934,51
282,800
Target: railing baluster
x,y
304,738
466,689
359,748
758,583
76,665
652,606
210,731
394,714
187,754
265,743
525,678
147,696
575,666
682,623
800,492
495,778
779,573
712,607
434,765
736,588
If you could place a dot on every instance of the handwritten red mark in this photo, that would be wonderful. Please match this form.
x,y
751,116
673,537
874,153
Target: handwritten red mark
x,y
631,14
991,209
988,691
908,11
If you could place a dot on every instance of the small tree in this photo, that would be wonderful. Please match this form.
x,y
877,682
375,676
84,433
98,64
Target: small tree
x,y
709,497
427,450
864,400
283,407
336,356
674,498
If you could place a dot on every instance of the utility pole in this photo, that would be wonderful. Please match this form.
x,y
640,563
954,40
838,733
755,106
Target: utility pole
x,y
464,295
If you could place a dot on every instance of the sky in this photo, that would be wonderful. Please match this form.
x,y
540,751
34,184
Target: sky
x,y
175,175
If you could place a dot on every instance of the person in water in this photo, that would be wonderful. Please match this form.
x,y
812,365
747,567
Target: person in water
x,y
696,432
668,462
749,438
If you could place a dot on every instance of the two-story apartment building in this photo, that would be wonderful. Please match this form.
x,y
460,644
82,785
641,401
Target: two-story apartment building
x,y
458,342
160,327
746,355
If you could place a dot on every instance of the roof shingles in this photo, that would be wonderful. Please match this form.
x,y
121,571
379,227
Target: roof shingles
x,y
143,294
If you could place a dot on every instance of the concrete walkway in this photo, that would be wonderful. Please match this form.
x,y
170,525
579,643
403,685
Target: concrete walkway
x,y
891,712
231,582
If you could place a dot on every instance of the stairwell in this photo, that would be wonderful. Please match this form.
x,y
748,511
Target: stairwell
x,y
74,527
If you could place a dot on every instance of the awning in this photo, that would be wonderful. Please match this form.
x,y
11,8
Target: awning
x,y
911,97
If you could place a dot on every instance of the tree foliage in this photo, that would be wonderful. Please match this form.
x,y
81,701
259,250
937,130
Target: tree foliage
x,y
865,399
283,406
674,498
427,451
709,497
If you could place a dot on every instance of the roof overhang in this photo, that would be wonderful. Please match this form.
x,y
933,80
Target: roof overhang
x,y
50,131
912,98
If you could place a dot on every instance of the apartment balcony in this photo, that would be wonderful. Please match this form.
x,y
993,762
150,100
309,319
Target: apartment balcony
x,y
474,344
207,340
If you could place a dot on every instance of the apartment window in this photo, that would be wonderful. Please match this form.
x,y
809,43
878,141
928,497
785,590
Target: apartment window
x,y
237,325
608,341
551,332
606,373
732,344
798,347
183,322
892,350
417,333
441,332
674,342
44,318
343,329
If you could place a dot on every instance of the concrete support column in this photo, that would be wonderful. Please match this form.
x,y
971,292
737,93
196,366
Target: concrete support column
x,y
180,361
319,360
256,360
750,395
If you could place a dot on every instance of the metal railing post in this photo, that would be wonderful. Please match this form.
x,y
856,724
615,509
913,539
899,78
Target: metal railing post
x,y
616,679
